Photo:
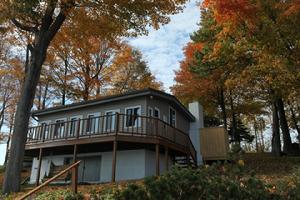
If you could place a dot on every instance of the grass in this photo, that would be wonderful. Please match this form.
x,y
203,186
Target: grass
x,y
267,167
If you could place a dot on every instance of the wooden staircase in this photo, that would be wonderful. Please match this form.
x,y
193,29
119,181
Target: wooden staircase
x,y
183,162
55,170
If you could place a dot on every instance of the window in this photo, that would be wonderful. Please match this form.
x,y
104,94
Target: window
x,y
73,123
91,124
59,128
172,117
110,120
132,116
150,112
156,113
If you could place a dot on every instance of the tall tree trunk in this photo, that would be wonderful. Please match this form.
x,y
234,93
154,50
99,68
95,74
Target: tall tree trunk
x,y
235,134
8,140
45,96
4,102
48,29
295,122
97,69
276,144
256,137
287,142
63,99
262,141
39,96
12,177
223,107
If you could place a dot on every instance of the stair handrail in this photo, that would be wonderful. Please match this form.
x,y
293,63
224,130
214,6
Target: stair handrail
x,y
50,180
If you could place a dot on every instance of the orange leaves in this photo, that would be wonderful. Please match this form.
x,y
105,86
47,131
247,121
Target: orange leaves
x,y
191,48
130,72
229,13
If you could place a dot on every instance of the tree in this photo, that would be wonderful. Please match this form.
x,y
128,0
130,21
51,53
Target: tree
x,y
130,72
270,27
242,132
42,20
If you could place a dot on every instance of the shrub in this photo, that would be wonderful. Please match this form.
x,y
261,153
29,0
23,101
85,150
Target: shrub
x,y
289,188
209,183
58,195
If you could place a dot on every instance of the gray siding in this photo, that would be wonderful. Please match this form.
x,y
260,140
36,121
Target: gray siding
x,y
182,122
120,105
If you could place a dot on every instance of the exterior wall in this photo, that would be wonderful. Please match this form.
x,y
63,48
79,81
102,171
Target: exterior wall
x,y
150,168
197,110
131,164
100,109
182,122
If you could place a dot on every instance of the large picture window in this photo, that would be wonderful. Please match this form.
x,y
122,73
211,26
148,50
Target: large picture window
x,y
132,119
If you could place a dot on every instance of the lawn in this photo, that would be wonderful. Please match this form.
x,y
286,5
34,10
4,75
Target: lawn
x,y
271,168
266,167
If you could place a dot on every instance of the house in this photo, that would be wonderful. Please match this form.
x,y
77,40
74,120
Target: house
x,y
121,137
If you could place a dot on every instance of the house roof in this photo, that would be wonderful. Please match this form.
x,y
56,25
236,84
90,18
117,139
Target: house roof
x,y
113,98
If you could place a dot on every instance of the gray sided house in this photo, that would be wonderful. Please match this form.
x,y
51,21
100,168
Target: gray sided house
x,y
122,137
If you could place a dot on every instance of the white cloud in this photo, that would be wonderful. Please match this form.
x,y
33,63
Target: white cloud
x,y
162,48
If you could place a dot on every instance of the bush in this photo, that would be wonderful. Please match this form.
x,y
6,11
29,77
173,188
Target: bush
x,y
289,188
58,195
209,183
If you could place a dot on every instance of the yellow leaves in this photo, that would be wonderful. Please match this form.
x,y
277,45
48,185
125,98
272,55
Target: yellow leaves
x,y
241,163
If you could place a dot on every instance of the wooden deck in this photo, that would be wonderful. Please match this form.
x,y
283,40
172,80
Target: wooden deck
x,y
110,128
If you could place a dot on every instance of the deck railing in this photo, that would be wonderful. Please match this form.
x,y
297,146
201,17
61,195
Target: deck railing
x,y
115,124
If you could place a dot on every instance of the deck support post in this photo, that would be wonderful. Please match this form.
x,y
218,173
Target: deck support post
x,y
167,158
37,182
157,158
114,161
75,171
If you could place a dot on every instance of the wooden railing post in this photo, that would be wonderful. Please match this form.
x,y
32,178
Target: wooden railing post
x,y
75,171
117,123
156,127
114,161
157,159
78,129
167,158
37,182
43,132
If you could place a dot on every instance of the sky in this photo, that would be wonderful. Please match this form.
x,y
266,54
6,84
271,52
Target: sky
x,y
2,153
163,48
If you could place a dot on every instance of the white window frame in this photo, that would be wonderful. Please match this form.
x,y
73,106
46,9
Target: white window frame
x,y
152,113
171,108
115,111
138,124
76,124
97,114
156,108
65,127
